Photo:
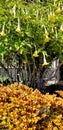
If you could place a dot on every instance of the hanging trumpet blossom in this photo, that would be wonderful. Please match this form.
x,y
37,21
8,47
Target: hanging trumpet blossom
x,y
35,54
58,10
18,26
54,2
3,32
62,8
61,28
6,40
14,10
52,30
55,5
45,63
46,32
47,38
51,15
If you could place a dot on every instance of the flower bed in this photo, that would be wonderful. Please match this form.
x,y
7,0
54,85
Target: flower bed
x,y
21,108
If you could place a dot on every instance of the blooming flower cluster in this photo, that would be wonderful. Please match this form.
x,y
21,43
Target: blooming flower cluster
x,y
21,108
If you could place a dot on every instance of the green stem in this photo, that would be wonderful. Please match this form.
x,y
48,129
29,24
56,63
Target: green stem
x,y
28,64
34,68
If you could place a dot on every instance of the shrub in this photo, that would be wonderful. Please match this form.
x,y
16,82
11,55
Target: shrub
x,y
21,108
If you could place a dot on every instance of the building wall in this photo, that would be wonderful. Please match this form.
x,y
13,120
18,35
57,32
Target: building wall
x,y
51,74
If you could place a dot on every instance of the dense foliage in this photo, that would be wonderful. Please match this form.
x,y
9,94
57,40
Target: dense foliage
x,y
21,108
30,30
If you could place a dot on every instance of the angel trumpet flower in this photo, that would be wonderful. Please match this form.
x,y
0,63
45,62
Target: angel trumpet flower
x,y
61,28
46,32
14,10
55,5
18,26
51,16
58,10
2,32
52,30
62,8
35,54
45,63
54,2
47,38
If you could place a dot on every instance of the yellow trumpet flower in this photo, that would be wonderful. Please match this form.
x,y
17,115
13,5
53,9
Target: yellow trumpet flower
x,y
51,16
61,28
59,10
46,32
47,38
2,32
45,63
6,40
52,30
18,26
35,54
55,5
62,8
14,10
